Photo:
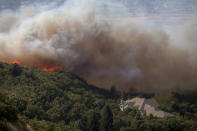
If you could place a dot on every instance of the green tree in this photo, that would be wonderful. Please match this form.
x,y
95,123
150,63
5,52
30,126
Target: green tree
x,y
107,119
113,91
93,121
3,126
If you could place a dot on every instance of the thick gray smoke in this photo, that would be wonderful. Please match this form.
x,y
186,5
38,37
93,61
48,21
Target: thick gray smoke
x,y
83,39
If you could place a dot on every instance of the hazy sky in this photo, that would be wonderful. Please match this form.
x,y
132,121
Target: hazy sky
x,y
166,14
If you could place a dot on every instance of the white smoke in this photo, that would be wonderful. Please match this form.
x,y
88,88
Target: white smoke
x,y
89,38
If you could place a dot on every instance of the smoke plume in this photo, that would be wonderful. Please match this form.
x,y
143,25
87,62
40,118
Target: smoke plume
x,y
93,44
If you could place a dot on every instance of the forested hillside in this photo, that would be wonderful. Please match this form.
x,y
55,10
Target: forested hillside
x,y
62,101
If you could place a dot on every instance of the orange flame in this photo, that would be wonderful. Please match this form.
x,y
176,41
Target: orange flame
x,y
45,68
14,62
50,68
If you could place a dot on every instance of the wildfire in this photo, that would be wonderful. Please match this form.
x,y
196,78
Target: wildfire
x,y
50,68
14,62
45,68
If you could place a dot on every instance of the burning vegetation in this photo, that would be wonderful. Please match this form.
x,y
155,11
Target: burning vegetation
x,y
45,68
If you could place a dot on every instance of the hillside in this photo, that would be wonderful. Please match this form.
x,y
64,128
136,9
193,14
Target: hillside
x,y
50,96
58,101
8,116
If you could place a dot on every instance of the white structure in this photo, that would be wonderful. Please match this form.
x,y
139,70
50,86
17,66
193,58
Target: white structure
x,y
145,106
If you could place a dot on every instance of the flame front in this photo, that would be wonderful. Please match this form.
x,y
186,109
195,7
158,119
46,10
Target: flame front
x,y
14,62
50,68
45,68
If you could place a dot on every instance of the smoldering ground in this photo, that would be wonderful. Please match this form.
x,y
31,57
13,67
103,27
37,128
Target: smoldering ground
x,y
81,39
